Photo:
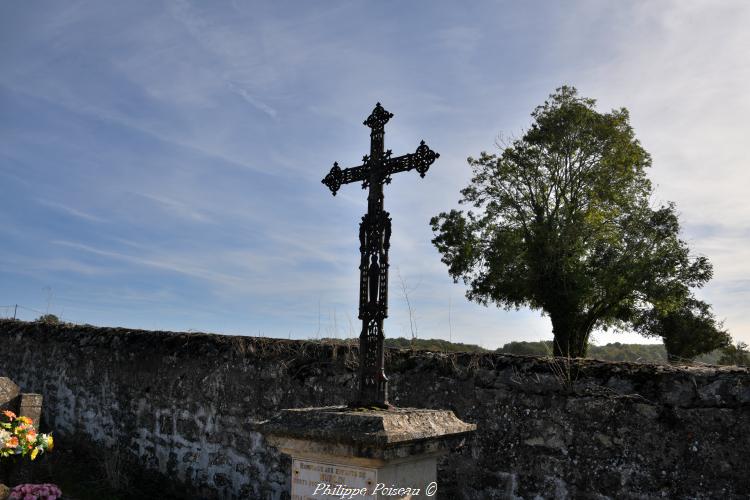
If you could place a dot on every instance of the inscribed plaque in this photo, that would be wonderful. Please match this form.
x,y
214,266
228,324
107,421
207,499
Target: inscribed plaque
x,y
330,479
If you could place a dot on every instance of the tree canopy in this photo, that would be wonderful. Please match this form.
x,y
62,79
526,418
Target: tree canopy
x,y
735,354
688,331
562,221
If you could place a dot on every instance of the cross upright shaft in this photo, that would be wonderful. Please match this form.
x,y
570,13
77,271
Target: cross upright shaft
x,y
374,238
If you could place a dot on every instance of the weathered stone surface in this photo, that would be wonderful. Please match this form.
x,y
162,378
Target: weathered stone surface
x,y
377,437
30,405
185,406
4,492
381,428
11,398
9,391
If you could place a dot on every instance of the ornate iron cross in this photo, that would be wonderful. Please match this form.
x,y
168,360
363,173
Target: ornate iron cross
x,y
374,241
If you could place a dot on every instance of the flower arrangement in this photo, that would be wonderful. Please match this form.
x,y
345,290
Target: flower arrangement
x,y
35,492
19,437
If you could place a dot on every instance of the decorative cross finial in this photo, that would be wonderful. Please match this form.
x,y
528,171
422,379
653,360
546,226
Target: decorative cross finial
x,y
378,118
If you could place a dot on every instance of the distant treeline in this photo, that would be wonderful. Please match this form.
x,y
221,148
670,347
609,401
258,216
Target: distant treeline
x,y
647,353
616,351
643,353
437,345
432,345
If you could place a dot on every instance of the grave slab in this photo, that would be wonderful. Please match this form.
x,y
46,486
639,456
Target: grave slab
x,y
11,398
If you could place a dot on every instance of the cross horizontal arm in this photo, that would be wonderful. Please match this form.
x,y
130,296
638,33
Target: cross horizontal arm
x,y
420,160
336,177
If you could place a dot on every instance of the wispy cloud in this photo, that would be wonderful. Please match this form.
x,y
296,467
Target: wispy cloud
x,y
78,105
175,265
179,208
70,210
247,96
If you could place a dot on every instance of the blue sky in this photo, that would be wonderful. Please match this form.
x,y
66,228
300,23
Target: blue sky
x,y
161,161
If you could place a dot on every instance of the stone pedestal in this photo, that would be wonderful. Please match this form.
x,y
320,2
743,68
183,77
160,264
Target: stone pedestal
x,y
364,453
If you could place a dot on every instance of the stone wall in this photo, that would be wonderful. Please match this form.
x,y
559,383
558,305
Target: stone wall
x,y
182,405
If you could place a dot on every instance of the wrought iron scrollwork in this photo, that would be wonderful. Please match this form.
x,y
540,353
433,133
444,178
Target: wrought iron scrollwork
x,y
423,158
374,243
378,118
334,179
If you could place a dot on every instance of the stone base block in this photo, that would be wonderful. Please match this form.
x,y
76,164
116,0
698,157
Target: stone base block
x,y
340,452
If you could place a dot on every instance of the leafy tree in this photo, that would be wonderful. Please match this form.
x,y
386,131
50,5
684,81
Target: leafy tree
x,y
563,224
687,331
49,319
735,355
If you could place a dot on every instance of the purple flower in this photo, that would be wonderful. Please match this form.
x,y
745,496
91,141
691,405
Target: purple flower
x,y
45,491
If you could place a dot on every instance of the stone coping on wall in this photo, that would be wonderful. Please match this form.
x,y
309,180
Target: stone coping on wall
x,y
674,385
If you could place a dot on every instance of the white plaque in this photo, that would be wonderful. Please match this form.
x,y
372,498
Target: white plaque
x,y
308,475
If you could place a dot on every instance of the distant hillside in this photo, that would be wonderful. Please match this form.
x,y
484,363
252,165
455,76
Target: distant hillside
x,y
437,345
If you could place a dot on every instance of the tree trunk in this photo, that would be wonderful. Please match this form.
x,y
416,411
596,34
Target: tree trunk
x,y
571,334
675,356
